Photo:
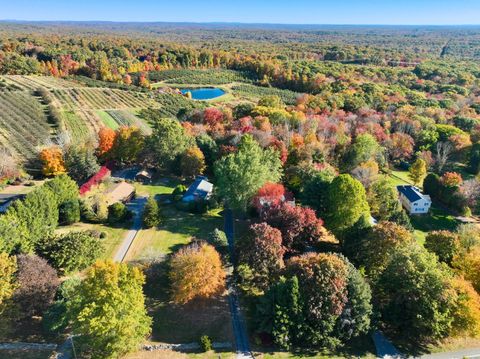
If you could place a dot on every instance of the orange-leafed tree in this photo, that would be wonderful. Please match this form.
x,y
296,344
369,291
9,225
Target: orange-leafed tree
x,y
196,272
106,138
52,161
452,179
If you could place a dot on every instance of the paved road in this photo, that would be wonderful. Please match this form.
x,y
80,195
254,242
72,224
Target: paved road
x,y
459,354
136,206
238,322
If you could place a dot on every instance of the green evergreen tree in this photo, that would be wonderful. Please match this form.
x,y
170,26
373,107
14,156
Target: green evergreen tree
x,y
151,213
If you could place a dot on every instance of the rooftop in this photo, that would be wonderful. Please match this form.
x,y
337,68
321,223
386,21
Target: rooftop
x,y
412,193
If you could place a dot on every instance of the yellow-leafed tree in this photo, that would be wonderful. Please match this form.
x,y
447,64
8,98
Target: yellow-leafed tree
x,y
52,160
196,272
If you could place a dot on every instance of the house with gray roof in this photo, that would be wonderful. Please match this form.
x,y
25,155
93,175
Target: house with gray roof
x,y
201,189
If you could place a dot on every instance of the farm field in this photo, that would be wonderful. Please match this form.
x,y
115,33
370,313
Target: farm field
x,y
23,123
32,83
200,77
254,93
101,99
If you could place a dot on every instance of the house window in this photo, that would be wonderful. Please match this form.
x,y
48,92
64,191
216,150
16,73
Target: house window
x,y
415,204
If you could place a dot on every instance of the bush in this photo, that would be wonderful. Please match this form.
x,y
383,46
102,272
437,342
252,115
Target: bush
x,y
444,244
205,343
178,192
218,238
73,251
118,213
151,213
69,212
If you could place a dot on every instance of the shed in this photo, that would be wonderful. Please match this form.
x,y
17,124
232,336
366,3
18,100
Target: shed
x,y
143,176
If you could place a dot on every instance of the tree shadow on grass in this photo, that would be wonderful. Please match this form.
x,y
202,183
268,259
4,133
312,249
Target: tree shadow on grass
x,y
359,347
177,323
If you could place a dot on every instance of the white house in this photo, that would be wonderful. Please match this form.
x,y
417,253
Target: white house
x,y
201,189
414,201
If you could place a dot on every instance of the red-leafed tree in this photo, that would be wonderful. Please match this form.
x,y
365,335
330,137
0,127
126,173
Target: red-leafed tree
x,y
262,252
270,194
299,226
212,116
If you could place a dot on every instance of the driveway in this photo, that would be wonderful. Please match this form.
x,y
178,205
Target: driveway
x,y
136,206
238,322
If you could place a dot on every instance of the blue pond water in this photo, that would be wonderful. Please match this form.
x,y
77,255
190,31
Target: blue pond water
x,y
205,93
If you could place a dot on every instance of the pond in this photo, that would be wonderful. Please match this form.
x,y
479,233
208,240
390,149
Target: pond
x,y
204,93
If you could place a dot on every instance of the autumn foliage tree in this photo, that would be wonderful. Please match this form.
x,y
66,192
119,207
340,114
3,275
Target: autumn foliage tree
x,y
106,139
107,310
37,284
417,171
451,179
196,272
375,248
444,244
192,162
52,161
466,313
262,252
270,194
299,226
8,267
330,304
127,145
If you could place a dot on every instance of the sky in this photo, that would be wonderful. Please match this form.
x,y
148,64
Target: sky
x,y
385,12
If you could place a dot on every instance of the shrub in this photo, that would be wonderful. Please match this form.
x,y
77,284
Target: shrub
x,y
73,251
218,238
151,213
178,192
205,343
118,213
69,212
444,244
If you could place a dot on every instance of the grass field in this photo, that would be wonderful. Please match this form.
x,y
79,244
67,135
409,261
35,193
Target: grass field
x,y
111,242
174,323
177,229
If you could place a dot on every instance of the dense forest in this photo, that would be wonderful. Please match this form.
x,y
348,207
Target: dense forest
x,y
314,130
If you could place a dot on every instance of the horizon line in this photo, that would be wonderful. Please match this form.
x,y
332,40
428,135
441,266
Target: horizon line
x,y
227,23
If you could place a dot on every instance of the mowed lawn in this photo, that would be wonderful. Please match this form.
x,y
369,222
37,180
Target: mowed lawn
x,y
436,219
173,323
177,229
